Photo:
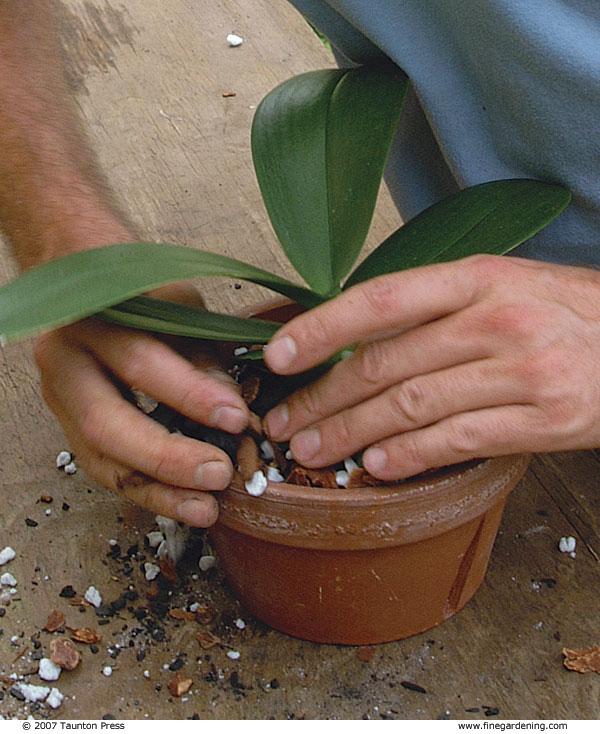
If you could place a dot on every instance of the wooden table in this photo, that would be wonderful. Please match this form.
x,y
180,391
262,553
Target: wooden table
x,y
153,82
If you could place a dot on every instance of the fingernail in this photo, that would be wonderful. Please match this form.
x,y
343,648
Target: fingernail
x,y
277,420
229,419
375,460
306,444
212,475
198,513
281,353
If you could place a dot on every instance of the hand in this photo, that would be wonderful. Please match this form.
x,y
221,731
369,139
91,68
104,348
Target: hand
x,y
480,357
120,446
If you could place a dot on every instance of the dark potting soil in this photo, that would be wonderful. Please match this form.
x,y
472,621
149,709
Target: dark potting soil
x,y
272,389
262,390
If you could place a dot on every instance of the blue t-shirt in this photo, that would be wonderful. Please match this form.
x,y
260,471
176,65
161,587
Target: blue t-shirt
x,y
501,89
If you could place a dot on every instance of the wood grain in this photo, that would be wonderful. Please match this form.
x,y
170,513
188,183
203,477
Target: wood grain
x,y
149,79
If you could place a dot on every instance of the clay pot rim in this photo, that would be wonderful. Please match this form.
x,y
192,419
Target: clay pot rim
x,y
406,490
371,517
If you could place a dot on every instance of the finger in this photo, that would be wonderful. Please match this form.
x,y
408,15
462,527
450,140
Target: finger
x,y
181,292
406,406
199,509
483,433
393,302
148,364
374,367
101,418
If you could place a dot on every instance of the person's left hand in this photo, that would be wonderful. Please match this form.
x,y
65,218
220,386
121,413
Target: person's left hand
x,y
480,357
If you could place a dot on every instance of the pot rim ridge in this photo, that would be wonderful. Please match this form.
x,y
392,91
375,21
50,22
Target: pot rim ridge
x,y
372,517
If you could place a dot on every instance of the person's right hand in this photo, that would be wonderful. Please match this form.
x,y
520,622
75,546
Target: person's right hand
x,y
116,443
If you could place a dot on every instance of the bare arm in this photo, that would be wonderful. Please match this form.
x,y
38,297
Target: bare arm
x,y
52,197
54,201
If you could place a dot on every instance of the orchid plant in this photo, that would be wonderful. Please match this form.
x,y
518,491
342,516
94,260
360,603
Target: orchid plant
x,y
319,144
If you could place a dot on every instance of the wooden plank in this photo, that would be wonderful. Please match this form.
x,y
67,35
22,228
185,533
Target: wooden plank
x,y
565,477
149,79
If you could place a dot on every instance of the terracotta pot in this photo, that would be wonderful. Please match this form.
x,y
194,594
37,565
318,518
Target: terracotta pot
x,y
363,566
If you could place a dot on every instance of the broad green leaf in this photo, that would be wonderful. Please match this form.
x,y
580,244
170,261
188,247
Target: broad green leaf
x,y
319,143
288,150
166,317
81,284
490,218
363,118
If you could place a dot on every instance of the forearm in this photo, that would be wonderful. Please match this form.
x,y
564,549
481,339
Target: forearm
x,y
52,198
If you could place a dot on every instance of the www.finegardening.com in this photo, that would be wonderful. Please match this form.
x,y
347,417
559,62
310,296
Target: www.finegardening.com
x,y
508,725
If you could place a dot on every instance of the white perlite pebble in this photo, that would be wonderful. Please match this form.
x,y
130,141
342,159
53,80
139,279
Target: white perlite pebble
x,y
146,673
71,468
234,40
7,579
342,478
175,538
240,624
32,693
257,485
233,654
240,350
567,545
112,542
350,465
63,459
107,671
55,698
206,562
266,451
6,555
151,571
274,475
92,595
155,538
49,670
166,524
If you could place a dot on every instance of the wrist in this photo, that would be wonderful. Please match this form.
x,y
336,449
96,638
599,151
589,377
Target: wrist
x,y
66,223
82,228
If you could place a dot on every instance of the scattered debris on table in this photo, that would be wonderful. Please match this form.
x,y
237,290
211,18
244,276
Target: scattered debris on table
x,y
6,555
234,40
65,462
585,660
64,653
55,620
567,545
141,616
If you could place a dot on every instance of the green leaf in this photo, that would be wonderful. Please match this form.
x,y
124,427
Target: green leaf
x,y
81,284
252,356
319,143
490,218
152,314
